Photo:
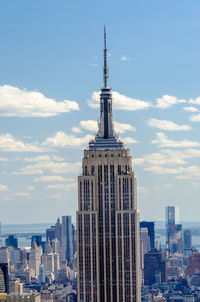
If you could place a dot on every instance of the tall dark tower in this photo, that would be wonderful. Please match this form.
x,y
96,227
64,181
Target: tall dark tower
x,y
107,216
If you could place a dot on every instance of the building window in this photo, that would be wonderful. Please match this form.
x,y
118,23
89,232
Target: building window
x,y
92,170
119,168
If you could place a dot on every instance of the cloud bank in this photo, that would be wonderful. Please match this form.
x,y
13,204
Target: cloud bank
x,y
22,103
167,125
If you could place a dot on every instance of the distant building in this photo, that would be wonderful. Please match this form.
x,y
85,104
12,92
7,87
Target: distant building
x,y
37,239
16,287
50,233
144,245
35,259
72,297
66,239
58,230
46,296
48,248
4,285
23,298
154,266
174,242
4,255
193,264
56,264
145,240
74,238
55,246
172,215
41,274
63,274
175,268
187,239
12,241
151,231
48,262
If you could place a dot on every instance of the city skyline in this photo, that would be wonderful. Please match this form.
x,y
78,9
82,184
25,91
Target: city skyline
x,y
52,53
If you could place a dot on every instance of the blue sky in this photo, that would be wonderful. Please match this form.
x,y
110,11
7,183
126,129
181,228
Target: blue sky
x,y
51,71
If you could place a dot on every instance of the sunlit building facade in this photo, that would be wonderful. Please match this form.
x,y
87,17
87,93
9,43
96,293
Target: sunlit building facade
x,y
107,216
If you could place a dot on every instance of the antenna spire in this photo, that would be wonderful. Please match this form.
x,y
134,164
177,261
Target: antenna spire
x,y
105,68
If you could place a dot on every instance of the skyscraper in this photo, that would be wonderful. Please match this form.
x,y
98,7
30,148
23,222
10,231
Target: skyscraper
x,y
187,235
66,239
174,241
35,259
107,216
12,241
151,231
154,265
172,215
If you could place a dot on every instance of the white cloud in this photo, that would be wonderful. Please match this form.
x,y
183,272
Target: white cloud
x,y
171,162
195,118
165,187
163,141
22,103
10,144
186,173
58,158
3,188
37,158
129,140
190,109
195,101
65,187
27,170
190,172
76,130
160,159
30,188
55,196
124,58
3,159
91,125
22,194
120,102
50,178
44,158
51,166
168,101
62,139
142,190
162,170
121,127
167,125
186,154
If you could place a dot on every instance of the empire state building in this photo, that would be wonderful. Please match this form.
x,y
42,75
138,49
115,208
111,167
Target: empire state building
x,y
107,216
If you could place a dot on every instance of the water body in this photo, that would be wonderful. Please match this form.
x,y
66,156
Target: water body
x,y
23,232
